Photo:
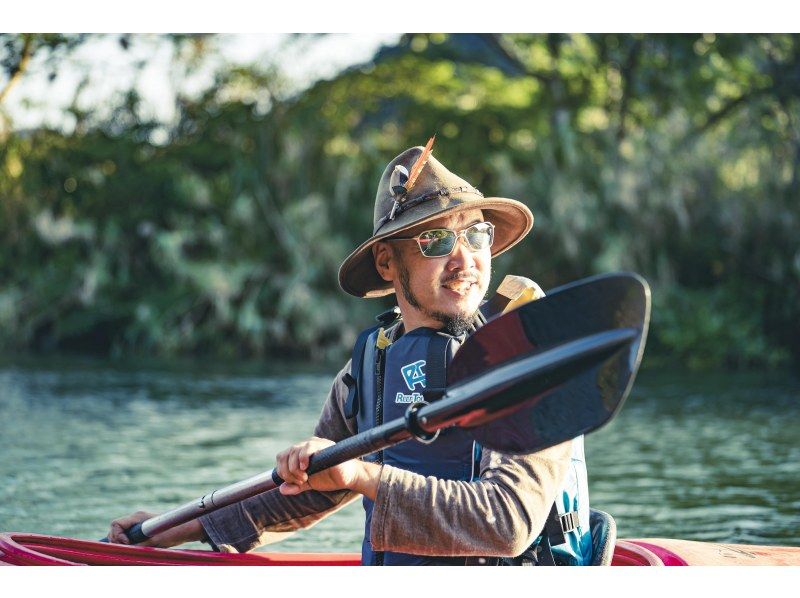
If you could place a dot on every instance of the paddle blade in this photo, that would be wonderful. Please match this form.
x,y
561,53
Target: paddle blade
x,y
582,392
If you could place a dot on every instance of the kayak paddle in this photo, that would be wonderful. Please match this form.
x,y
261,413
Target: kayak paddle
x,y
542,374
591,396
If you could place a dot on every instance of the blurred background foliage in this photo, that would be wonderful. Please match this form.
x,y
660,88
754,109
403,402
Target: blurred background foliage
x,y
675,156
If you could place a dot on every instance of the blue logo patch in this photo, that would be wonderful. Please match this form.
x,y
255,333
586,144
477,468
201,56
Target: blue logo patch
x,y
414,374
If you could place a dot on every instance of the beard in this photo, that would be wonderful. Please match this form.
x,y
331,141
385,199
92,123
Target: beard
x,y
453,324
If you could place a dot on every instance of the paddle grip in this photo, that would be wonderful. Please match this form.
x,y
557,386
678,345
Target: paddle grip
x,y
350,448
353,447
135,534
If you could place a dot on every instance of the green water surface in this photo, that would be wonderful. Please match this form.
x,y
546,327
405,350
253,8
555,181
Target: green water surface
x,y
706,457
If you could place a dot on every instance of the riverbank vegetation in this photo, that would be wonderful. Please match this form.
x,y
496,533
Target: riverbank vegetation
x,y
675,156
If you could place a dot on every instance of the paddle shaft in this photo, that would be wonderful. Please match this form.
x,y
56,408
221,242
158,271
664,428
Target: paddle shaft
x,y
354,447
512,291
469,403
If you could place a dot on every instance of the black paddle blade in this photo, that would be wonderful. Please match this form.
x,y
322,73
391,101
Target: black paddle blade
x,y
580,394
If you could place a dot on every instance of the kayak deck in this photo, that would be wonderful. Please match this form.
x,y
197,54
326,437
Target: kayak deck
x,y
37,549
687,552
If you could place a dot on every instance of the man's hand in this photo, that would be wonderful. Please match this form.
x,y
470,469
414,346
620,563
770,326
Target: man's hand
x,y
359,476
188,532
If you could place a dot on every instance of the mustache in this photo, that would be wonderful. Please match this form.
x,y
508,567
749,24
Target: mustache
x,y
472,277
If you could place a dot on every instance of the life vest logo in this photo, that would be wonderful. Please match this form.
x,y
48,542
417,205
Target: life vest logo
x,y
413,374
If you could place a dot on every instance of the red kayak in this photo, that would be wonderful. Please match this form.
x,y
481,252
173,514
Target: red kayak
x,y
36,549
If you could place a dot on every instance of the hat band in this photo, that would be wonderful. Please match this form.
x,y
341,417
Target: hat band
x,y
400,207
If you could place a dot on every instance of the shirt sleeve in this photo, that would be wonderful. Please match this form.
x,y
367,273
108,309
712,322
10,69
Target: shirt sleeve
x,y
271,516
500,514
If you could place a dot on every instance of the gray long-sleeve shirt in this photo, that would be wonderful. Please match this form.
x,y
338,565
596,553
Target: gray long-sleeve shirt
x,y
500,514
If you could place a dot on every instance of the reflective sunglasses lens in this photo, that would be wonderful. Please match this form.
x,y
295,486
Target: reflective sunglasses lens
x,y
436,243
480,236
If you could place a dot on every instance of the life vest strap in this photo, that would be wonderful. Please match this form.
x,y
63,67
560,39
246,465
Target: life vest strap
x,y
556,528
557,525
351,378
436,367
541,551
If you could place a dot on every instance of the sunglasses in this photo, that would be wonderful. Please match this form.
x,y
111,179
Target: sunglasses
x,y
439,242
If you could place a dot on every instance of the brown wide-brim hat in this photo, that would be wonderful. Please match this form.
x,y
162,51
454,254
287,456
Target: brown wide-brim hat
x,y
435,192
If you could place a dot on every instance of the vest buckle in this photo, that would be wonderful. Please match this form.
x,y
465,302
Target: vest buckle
x,y
569,521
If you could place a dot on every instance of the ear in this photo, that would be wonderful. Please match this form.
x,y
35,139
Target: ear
x,y
384,260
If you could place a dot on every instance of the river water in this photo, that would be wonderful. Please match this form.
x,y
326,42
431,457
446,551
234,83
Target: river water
x,y
705,457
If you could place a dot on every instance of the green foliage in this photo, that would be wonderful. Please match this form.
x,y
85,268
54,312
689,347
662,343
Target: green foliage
x,y
676,156
705,329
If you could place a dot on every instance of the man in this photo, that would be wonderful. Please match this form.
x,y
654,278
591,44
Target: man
x,y
433,240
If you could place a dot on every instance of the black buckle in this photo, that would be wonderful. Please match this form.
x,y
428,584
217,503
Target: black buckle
x,y
569,521
389,316
348,380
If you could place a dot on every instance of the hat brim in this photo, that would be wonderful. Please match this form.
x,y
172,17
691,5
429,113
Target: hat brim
x,y
512,219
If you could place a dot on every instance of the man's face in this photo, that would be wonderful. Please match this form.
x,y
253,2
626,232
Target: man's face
x,y
441,290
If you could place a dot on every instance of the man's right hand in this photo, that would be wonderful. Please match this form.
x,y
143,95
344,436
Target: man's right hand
x,y
190,531
356,475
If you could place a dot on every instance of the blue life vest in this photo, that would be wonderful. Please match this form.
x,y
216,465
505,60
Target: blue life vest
x,y
574,498
385,379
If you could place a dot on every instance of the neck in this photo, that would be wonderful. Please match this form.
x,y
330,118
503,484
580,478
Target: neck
x,y
413,319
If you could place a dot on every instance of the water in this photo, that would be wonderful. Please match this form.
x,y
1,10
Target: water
x,y
711,457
